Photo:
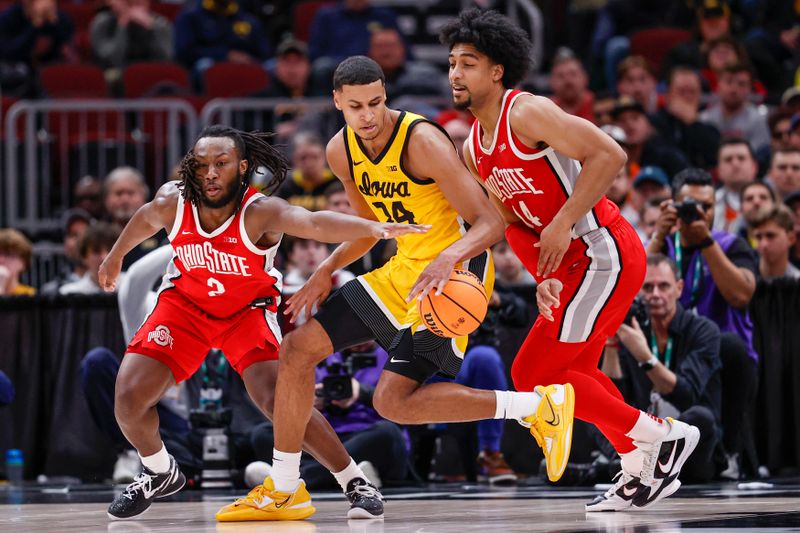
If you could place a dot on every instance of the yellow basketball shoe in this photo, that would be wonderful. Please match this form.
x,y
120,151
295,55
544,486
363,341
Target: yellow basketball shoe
x,y
551,426
266,503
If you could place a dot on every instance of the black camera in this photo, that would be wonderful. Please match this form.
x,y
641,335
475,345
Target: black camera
x,y
210,416
338,385
638,310
689,210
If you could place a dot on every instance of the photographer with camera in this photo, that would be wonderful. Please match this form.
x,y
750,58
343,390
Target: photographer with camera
x,y
345,383
719,271
666,361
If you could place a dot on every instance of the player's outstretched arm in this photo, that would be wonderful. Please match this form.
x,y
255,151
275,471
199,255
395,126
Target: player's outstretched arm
x,y
537,119
431,155
146,222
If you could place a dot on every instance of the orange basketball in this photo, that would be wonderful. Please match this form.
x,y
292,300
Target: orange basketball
x,y
459,310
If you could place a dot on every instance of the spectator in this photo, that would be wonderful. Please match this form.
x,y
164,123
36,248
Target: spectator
x,y
790,103
719,274
404,77
757,197
678,123
93,247
620,193
793,203
345,29
368,438
509,270
636,80
304,257
784,173
602,108
310,175
128,32
336,200
775,236
15,258
88,195
291,72
76,221
651,183
736,168
34,33
213,31
794,131
713,22
734,115
124,192
671,366
6,389
570,85
779,124
644,147
459,130
722,53
648,217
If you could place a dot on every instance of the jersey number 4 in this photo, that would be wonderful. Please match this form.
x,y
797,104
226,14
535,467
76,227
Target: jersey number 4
x,y
216,286
399,212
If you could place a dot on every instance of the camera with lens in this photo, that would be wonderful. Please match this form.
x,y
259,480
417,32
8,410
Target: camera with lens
x,y
638,310
212,420
338,384
689,210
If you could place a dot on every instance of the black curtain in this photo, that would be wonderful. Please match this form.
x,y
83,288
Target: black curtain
x,y
775,310
42,342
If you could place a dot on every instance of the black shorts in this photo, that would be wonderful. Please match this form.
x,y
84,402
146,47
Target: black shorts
x,y
350,316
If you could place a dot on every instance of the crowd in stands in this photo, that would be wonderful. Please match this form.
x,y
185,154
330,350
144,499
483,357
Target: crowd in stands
x,y
710,122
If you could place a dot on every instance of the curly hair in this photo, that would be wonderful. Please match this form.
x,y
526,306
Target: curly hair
x,y
495,35
253,146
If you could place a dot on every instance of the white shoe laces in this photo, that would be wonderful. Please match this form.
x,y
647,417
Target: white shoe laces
x,y
368,491
649,457
622,478
138,484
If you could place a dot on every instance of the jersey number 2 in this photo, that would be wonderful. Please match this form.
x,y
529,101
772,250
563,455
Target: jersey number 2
x,y
217,286
399,212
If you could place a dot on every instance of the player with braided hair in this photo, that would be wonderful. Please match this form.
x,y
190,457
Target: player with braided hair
x,y
220,290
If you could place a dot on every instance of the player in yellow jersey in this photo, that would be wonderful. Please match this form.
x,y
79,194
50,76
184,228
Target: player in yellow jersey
x,y
395,166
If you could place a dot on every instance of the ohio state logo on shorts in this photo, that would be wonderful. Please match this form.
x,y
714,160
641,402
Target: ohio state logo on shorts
x,y
161,336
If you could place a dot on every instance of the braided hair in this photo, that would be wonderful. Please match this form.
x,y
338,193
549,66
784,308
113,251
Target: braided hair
x,y
253,146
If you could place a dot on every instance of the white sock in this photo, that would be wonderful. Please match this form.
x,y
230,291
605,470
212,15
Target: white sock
x,y
513,405
351,471
158,462
648,428
632,462
285,470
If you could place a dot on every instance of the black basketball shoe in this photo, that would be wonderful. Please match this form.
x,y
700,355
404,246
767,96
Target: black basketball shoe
x,y
147,486
365,499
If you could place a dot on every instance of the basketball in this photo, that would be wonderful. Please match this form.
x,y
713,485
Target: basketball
x,y
459,310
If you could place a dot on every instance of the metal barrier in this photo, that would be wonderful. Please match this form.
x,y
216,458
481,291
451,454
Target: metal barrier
x,y
48,263
50,144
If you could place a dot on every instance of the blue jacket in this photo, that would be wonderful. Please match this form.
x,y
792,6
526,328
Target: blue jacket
x,y
19,38
338,33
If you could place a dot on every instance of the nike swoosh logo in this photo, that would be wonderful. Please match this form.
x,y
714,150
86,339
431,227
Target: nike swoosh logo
x,y
666,468
554,418
393,360
186,233
629,493
356,163
278,505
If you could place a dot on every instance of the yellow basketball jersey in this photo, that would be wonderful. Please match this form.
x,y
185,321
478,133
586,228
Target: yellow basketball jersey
x,y
396,196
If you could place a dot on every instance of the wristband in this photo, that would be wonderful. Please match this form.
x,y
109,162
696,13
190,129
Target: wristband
x,y
705,243
650,364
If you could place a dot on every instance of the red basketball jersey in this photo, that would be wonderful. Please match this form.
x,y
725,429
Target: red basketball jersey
x,y
531,183
220,272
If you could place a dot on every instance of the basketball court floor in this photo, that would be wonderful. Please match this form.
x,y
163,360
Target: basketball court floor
x,y
445,508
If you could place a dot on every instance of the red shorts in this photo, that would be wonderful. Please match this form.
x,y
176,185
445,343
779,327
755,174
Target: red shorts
x,y
179,334
602,272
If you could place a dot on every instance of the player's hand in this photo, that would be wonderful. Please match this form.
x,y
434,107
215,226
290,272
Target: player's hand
x,y
553,243
633,338
315,291
547,297
390,230
108,272
667,219
434,276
